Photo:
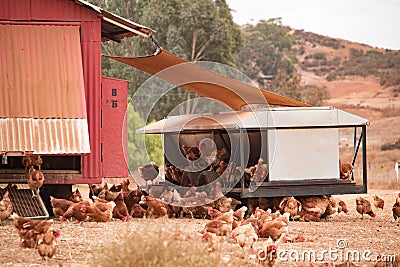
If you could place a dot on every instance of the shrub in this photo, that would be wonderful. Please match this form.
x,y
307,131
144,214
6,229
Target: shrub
x,y
331,76
391,146
155,248
319,56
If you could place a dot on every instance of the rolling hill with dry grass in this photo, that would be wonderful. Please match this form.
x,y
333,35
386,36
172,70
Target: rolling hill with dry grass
x,y
362,80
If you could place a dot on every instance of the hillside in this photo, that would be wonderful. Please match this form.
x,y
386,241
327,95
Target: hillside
x,y
363,95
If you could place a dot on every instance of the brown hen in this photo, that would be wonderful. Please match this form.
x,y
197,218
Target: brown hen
x,y
6,207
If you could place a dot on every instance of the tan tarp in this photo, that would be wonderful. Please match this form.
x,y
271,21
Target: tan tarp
x,y
206,83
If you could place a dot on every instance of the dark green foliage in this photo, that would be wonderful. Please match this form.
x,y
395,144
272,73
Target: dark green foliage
x,y
194,31
385,65
265,49
391,146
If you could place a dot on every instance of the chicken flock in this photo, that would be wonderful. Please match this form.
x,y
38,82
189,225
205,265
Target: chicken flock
x,y
205,164
243,222
260,218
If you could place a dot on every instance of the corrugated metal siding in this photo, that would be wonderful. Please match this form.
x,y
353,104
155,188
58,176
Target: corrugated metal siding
x,y
44,136
50,10
15,9
42,74
60,10
68,11
91,51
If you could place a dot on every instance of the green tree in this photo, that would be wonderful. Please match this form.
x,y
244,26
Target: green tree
x,y
141,148
266,50
192,30
287,85
290,86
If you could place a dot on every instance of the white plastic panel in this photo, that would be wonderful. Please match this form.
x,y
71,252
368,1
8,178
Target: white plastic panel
x,y
302,154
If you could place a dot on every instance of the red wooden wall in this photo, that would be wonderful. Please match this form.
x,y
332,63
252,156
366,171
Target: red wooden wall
x,y
114,105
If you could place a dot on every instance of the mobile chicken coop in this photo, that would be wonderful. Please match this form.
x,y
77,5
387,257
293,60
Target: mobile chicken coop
x,y
299,144
54,101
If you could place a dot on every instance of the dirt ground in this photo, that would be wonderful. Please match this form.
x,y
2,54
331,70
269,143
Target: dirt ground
x,y
347,235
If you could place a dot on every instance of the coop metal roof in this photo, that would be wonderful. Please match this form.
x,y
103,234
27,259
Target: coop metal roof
x,y
269,118
114,27
206,83
42,90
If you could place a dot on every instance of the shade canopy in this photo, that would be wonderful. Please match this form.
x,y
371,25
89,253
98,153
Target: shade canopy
x,y
206,83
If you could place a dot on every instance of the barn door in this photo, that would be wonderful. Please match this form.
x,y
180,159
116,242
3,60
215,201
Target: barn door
x,y
114,103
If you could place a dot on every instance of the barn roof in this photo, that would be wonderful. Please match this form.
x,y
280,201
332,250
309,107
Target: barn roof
x,y
288,117
114,27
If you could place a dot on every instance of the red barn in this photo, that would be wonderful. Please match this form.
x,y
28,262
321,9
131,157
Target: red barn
x,y
53,99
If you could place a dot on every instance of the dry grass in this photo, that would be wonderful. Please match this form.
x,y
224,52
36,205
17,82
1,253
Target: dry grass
x,y
157,248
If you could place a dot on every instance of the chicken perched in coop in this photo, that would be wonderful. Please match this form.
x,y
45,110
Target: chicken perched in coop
x,y
30,230
76,196
315,203
100,211
260,172
148,172
216,191
191,153
229,175
363,206
345,170
378,202
34,161
35,180
59,205
47,244
222,165
291,206
396,208
221,154
6,207
155,208
173,174
206,177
